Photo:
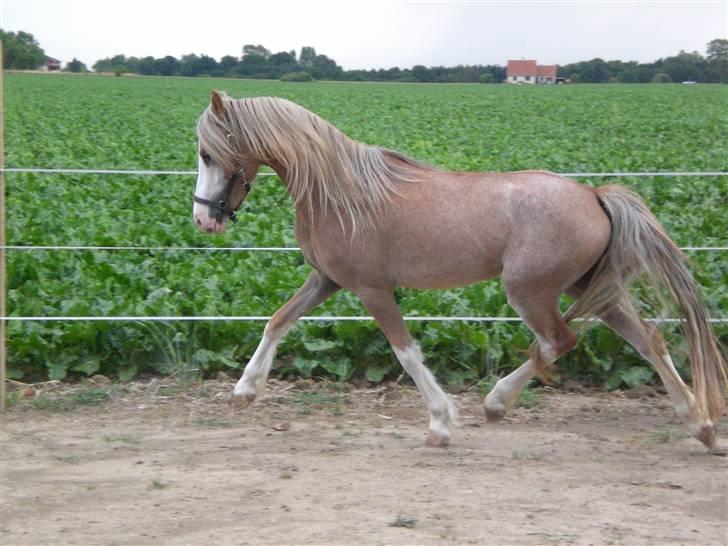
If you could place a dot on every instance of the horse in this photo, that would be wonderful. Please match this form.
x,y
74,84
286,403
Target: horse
x,y
370,219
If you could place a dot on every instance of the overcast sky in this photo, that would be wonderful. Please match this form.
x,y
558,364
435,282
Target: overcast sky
x,y
373,34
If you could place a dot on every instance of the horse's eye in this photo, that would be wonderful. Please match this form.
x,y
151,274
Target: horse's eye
x,y
205,157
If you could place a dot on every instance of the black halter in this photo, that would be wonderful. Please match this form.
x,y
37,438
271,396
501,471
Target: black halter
x,y
223,205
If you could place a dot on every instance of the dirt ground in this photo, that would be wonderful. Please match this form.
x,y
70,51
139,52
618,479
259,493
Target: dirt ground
x,y
311,463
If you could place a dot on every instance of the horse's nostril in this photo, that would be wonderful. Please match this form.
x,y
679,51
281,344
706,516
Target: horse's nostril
x,y
197,220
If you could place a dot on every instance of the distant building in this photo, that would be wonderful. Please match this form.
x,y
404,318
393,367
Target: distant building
x,y
52,64
524,71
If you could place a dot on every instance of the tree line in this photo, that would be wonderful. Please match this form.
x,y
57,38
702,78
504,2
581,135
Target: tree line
x,y
22,51
711,68
260,63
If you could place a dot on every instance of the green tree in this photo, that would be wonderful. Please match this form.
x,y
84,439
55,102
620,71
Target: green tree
x,y
282,58
132,64
21,51
283,62
110,64
596,71
717,56
196,65
76,66
102,65
326,69
661,77
148,66
250,50
168,66
685,67
228,64
308,55
421,73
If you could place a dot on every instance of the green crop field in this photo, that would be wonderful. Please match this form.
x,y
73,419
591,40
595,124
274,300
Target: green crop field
x,y
148,123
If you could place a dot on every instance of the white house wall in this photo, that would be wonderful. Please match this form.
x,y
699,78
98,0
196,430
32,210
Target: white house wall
x,y
531,81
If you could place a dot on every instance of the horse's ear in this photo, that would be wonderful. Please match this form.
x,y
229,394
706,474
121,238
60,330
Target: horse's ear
x,y
216,101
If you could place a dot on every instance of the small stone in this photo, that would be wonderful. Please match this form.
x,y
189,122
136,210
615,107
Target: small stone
x,y
99,379
403,521
283,426
641,391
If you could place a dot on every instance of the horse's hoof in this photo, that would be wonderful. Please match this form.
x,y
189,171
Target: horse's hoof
x,y
242,401
708,434
719,448
494,415
437,440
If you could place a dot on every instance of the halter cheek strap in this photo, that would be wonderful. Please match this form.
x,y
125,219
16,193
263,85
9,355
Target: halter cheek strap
x,y
223,205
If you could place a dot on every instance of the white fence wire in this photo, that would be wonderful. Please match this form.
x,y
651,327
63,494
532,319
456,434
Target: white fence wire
x,y
253,318
131,172
236,248
322,318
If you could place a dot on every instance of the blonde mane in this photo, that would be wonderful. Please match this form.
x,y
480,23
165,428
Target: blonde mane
x,y
351,178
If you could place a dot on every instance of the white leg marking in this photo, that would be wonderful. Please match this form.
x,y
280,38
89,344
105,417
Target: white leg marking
x,y
698,423
507,389
442,410
547,351
500,399
256,372
682,406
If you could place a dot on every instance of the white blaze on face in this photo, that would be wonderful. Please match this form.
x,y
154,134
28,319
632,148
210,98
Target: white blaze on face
x,y
209,182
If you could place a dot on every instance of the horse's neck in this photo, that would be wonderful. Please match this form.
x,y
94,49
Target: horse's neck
x,y
305,217
280,170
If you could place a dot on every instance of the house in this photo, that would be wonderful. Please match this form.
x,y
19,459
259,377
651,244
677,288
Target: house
x,y
528,71
52,64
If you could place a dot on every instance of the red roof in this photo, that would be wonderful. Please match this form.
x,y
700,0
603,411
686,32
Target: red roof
x,y
548,70
521,68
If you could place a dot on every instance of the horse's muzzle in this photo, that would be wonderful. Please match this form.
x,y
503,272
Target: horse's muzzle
x,y
209,225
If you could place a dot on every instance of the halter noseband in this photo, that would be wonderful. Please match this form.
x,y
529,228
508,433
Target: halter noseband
x,y
223,205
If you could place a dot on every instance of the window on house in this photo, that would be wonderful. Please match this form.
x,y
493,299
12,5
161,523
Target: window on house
x,y
528,78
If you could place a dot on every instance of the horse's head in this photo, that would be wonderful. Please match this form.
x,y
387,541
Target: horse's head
x,y
224,172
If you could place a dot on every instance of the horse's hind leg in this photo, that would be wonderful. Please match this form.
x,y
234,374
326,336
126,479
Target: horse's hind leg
x,y
554,338
314,291
382,305
502,396
647,340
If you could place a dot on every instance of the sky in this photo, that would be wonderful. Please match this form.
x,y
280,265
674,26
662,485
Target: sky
x,y
374,34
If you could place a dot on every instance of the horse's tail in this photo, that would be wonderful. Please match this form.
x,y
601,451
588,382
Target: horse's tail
x,y
639,246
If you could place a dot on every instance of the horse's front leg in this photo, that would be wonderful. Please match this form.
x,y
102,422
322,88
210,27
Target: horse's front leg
x,y
314,291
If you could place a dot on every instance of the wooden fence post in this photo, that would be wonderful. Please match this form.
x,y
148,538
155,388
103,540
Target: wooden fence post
x,y
3,274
